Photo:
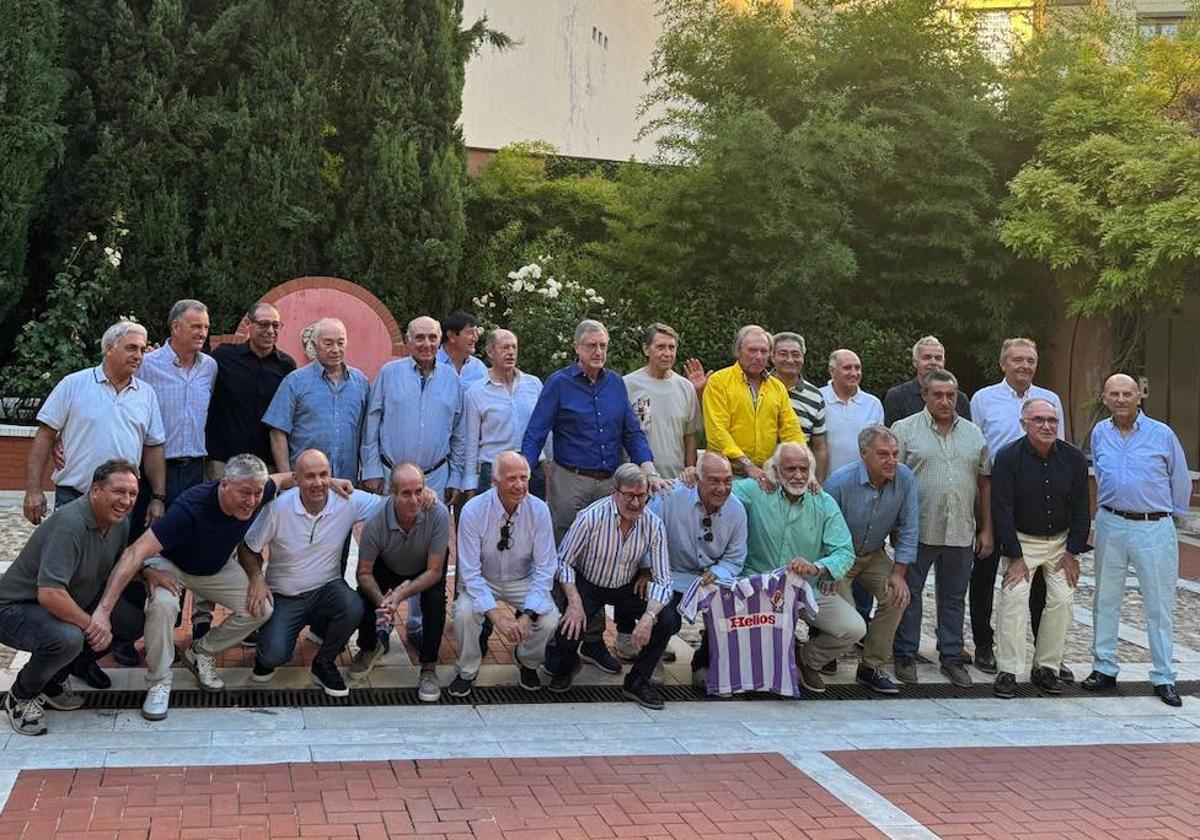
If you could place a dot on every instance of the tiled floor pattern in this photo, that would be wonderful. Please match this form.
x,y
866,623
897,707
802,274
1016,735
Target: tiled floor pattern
x,y
1117,791
742,797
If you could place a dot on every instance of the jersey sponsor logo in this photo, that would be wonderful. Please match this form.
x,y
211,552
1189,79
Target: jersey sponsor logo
x,y
747,622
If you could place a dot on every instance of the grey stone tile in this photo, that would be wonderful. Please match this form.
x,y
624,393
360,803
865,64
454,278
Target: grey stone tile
x,y
77,740
391,717
988,708
212,720
1078,737
398,751
640,746
1130,706
201,756
82,720
910,742
52,759
553,714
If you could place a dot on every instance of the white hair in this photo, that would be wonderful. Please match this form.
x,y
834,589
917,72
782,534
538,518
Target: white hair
x,y
113,335
245,467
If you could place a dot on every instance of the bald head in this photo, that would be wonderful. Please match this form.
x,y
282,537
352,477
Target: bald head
x,y
311,459
1122,397
312,477
1120,380
845,372
424,336
407,473
508,463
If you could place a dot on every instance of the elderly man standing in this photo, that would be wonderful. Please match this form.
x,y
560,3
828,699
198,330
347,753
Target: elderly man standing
x,y
1040,510
706,535
906,399
99,413
665,403
747,412
598,566
320,406
193,546
787,363
248,375
49,593
848,408
505,552
793,525
1141,480
497,411
996,410
460,334
305,529
877,496
403,554
587,408
949,456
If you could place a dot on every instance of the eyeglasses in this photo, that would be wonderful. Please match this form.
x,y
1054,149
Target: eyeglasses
x,y
1043,421
634,497
505,536
784,354
268,325
706,523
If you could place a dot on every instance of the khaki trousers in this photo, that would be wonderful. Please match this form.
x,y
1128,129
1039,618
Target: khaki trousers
x,y
1012,608
571,493
841,627
873,570
468,622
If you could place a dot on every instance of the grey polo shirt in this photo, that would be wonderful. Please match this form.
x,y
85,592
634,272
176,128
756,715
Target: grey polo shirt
x,y
406,553
67,551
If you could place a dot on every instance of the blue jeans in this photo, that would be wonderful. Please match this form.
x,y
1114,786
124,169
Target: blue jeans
x,y
335,608
54,644
953,578
1153,549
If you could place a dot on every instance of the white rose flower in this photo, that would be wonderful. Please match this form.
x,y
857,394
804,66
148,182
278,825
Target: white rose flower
x,y
91,237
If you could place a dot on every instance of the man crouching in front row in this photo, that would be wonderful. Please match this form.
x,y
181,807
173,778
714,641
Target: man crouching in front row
x,y
49,595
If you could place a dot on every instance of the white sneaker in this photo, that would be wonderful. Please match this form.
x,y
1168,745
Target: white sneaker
x,y
626,649
158,700
429,691
205,669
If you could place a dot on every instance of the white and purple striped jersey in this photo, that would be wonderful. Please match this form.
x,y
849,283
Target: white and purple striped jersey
x,y
751,627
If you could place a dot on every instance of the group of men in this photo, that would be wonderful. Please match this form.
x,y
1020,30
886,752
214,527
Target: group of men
x,y
562,499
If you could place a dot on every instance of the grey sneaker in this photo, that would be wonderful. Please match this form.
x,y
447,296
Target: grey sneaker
x,y
363,661
205,669
61,698
429,691
957,673
26,716
906,671
626,649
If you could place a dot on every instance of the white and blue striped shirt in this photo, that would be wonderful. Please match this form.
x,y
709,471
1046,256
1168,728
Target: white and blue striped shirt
x,y
183,398
596,548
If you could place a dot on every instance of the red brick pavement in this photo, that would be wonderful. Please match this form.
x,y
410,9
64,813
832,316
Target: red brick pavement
x,y
744,797
1128,791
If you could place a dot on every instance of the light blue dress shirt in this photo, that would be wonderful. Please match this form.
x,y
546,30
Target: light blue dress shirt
x,y
682,512
317,413
416,419
531,552
871,514
1142,472
495,421
183,398
996,410
472,373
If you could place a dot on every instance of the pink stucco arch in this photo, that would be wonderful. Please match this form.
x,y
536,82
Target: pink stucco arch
x,y
373,336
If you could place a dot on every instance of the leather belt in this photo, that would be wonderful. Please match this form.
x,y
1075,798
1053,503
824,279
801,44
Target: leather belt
x,y
1137,517
390,466
183,462
598,475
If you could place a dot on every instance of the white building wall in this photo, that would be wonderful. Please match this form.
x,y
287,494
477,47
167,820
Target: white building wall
x,y
575,78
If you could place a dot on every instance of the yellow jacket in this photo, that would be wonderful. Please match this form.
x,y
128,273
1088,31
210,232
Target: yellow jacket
x,y
736,425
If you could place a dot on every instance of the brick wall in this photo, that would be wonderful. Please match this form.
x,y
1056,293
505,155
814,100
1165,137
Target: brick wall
x,y
14,452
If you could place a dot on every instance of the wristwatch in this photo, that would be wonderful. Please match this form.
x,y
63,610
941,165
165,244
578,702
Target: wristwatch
x,y
533,616
159,497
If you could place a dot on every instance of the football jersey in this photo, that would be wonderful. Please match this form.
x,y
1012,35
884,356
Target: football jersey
x,y
751,627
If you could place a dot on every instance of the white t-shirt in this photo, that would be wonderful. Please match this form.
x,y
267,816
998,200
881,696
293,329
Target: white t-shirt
x,y
306,550
667,409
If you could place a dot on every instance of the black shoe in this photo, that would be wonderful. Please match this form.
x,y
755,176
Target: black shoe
x,y
1005,685
485,634
530,680
261,673
562,682
327,675
1168,695
829,669
1065,675
642,692
876,680
1046,680
985,660
461,687
1098,682
598,654
200,630
251,641
91,673
126,654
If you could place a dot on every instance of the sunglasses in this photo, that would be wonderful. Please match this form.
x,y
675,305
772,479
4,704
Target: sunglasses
x,y
268,325
505,536
706,523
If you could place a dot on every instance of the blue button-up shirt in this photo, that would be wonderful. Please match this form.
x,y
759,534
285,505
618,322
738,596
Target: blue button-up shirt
x,y
1142,472
496,418
590,421
417,419
996,410
872,513
317,413
183,398
691,555
472,372
530,554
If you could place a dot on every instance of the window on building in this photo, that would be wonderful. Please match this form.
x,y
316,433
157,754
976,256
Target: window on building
x,y
1159,27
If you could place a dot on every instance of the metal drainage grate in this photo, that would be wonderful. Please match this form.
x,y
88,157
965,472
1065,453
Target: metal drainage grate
x,y
314,697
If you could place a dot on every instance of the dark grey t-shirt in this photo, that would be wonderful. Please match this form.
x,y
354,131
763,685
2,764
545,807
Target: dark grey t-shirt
x,y
67,551
405,554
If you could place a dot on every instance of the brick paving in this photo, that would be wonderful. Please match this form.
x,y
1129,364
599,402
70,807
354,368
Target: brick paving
x,y
1124,791
743,797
